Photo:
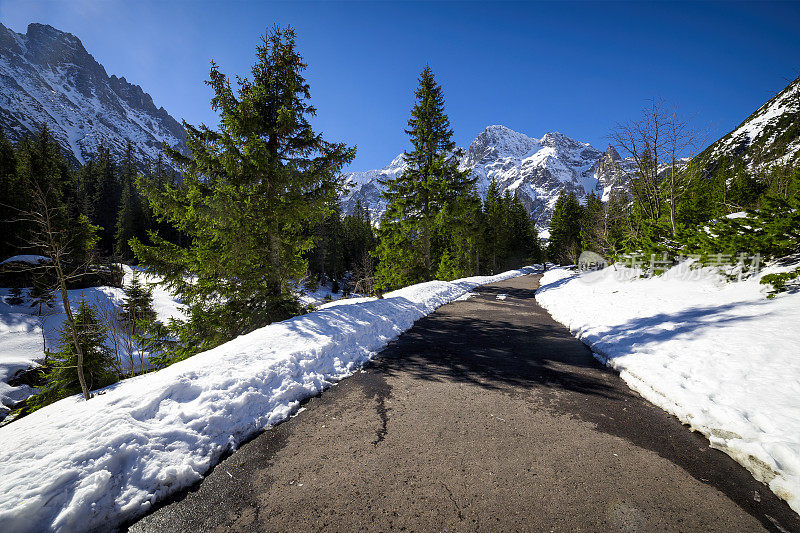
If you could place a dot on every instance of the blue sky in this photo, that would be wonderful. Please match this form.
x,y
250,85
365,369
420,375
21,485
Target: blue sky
x,y
572,67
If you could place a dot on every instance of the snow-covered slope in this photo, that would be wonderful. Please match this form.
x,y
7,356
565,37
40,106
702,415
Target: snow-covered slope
x,y
771,135
47,77
364,187
24,332
719,356
536,170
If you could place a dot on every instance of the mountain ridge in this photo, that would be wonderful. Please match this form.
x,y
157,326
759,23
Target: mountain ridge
x,y
48,77
535,169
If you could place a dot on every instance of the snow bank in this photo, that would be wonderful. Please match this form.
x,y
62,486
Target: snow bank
x,y
719,356
78,465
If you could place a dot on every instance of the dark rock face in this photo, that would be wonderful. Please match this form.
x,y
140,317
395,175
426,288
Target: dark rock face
x,y
48,77
613,172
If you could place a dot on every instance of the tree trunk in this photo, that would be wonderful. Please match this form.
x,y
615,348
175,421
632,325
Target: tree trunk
x,y
72,326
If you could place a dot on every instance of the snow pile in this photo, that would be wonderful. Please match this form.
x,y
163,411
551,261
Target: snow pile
x,y
23,334
719,356
78,465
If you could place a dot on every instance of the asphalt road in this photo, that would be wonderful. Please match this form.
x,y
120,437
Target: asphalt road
x,y
486,416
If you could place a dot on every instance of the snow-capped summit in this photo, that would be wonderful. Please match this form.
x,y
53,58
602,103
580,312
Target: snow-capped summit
x,y
48,77
500,141
536,170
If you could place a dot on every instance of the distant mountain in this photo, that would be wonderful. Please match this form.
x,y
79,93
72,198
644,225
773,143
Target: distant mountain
x,y
47,76
771,135
536,170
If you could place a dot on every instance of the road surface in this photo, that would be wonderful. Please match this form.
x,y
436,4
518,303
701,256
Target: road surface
x,y
486,416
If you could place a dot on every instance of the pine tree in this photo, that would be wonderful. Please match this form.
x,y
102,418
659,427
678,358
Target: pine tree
x,y
495,236
105,195
565,227
98,363
137,305
249,192
130,218
41,295
11,200
592,232
15,296
430,182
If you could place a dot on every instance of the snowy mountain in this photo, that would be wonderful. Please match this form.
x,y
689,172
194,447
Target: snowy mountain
x,y
536,170
47,76
771,135
364,187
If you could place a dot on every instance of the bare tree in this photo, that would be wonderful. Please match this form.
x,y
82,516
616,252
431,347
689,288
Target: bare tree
x,y
659,143
57,243
683,142
644,141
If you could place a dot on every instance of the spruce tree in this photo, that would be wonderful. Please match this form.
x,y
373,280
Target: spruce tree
x,y
430,182
98,363
137,305
41,294
249,192
15,296
105,193
565,227
495,236
130,217
11,200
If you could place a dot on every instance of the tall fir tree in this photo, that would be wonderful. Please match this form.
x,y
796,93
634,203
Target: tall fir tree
x,y
416,198
248,194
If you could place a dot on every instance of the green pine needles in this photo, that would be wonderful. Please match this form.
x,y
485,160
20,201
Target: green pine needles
x,y
98,362
248,193
426,196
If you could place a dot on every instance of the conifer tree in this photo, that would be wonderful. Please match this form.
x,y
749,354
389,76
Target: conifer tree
x,y
97,362
137,305
105,195
593,224
11,200
460,242
248,194
495,238
416,197
41,295
15,296
565,227
130,217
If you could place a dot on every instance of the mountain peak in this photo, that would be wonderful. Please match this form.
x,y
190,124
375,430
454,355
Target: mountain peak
x,y
612,154
498,139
